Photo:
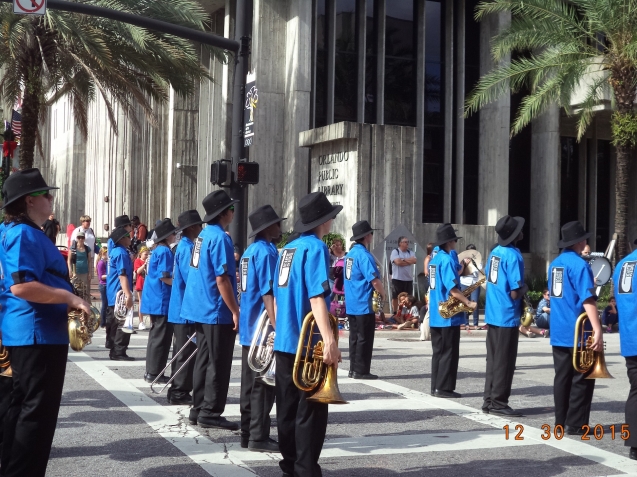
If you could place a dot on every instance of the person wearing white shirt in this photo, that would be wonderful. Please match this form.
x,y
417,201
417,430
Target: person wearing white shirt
x,y
402,277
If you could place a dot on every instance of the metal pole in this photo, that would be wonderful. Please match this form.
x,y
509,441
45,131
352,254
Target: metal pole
x,y
243,33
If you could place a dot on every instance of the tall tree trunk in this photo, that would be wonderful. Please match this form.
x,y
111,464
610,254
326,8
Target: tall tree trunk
x,y
30,108
621,199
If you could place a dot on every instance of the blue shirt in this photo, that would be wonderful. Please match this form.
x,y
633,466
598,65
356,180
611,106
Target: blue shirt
x,y
570,283
156,293
31,256
256,273
360,271
625,281
443,276
180,277
119,264
544,303
302,272
3,265
212,257
505,272
453,254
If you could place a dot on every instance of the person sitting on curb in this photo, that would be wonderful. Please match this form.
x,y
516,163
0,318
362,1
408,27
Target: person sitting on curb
x,y
412,316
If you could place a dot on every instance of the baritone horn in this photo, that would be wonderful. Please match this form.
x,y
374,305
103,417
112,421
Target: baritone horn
x,y
261,354
315,376
585,360
5,362
526,319
81,326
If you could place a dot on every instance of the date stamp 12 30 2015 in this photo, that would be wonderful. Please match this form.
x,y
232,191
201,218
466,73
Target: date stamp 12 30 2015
x,y
587,432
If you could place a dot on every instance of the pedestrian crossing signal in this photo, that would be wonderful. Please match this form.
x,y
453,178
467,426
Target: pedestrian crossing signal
x,y
247,173
220,172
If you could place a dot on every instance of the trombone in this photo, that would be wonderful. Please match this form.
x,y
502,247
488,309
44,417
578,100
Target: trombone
x,y
193,339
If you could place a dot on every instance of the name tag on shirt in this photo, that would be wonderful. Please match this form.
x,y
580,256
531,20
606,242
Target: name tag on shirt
x,y
557,285
196,253
243,266
432,277
349,263
626,278
494,269
286,264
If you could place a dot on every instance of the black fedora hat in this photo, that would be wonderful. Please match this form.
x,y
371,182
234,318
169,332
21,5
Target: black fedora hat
x,y
215,203
188,218
315,209
572,233
262,218
164,229
122,221
445,233
23,183
118,234
508,228
360,229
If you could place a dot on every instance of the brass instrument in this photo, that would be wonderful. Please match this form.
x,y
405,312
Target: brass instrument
x,y
316,375
377,302
261,354
452,306
82,325
193,339
5,362
123,313
585,360
526,319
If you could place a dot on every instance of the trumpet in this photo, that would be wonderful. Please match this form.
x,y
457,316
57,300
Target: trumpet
x,y
315,374
192,339
261,354
585,360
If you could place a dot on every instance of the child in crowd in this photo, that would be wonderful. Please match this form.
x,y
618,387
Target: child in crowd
x,y
410,315
139,267
610,316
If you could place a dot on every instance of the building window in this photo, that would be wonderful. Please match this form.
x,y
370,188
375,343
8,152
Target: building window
x,y
602,229
346,62
320,105
569,179
371,55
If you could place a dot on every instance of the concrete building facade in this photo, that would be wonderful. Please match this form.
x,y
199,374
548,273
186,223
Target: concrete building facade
x,y
379,82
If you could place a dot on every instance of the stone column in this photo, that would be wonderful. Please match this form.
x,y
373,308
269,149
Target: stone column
x,y
545,189
493,178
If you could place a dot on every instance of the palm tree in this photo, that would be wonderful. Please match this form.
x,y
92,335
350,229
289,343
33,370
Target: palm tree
x,y
81,56
562,48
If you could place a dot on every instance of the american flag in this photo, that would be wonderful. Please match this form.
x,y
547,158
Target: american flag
x,y
16,123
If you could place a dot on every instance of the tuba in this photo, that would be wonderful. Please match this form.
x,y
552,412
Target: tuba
x,y
526,319
315,375
585,360
82,325
261,354
452,306
5,362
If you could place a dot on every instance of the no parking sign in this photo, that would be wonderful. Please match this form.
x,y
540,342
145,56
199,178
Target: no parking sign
x,y
29,7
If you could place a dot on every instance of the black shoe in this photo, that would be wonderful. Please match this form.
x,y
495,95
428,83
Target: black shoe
x,y
447,394
356,375
108,345
177,399
486,410
149,378
574,431
349,375
506,411
217,422
192,418
121,357
633,453
264,446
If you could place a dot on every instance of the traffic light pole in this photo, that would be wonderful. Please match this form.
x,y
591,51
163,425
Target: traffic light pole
x,y
243,33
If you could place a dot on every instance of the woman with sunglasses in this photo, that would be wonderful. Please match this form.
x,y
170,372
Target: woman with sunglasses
x,y
34,324
79,260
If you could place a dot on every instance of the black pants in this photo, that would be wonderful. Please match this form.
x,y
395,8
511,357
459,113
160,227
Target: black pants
x,y
114,333
631,402
256,401
182,384
445,345
159,340
301,424
361,342
502,351
38,378
573,393
6,385
212,369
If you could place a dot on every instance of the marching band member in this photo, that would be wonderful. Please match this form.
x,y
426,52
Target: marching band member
x,y
119,277
505,289
120,221
361,279
572,290
302,283
155,300
210,300
181,387
34,324
445,333
256,273
625,281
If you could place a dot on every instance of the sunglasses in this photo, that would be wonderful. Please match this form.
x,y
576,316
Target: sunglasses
x,y
44,193
231,208
80,238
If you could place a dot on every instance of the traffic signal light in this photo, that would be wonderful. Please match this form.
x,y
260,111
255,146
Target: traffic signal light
x,y
247,173
220,172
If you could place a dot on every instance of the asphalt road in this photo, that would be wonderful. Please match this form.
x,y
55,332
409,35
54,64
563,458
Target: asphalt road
x,y
110,423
